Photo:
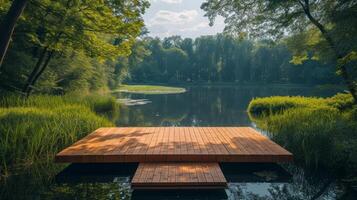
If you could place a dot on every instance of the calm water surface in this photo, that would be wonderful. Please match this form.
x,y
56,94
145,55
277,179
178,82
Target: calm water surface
x,y
199,106
203,106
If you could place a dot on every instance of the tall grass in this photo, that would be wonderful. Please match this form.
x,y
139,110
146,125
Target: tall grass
x,y
34,129
99,104
278,104
320,132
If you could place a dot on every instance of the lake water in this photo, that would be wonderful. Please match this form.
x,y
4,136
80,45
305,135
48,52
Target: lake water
x,y
199,106
203,106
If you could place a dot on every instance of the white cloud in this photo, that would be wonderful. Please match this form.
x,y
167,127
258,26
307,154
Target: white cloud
x,y
186,19
172,1
196,27
167,1
173,18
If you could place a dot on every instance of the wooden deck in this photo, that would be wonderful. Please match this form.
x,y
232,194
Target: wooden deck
x,y
174,175
174,144
175,157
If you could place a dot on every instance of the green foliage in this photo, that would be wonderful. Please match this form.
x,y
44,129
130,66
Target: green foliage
x,y
95,102
219,58
318,138
341,101
33,130
317,30
320,132
90,26
80,39
278,104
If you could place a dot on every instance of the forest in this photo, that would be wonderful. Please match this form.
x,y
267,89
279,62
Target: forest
x,y
220,58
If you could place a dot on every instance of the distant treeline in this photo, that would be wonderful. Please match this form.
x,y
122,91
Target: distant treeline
x,y
219,58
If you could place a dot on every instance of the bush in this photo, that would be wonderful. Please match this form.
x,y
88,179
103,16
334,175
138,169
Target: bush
x,y
321,133
34,130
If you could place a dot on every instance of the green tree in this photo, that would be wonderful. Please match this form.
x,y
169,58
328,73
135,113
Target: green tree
x,y
275,18
104,30
220,58
175,62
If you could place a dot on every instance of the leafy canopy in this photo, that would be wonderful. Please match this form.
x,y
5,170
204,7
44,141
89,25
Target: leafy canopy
x,y
308,24
103,29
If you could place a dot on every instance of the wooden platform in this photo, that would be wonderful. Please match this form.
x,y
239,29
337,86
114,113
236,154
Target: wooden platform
x,y
174,144
175,157
178,176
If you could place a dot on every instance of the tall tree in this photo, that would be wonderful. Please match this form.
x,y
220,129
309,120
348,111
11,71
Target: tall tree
x,y
7,26
101,29
275,18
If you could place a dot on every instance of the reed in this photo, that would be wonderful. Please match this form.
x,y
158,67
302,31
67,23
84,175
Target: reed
x,y
33,130
320,132
278,104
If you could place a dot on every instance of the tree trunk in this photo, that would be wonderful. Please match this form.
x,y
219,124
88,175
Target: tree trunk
x,y
7,26
35,70
34,80
349,82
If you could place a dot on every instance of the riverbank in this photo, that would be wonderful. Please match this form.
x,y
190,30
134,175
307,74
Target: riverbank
x,y
150,89
32,130
320,132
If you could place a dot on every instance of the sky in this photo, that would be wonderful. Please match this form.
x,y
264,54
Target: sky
x,y
179,17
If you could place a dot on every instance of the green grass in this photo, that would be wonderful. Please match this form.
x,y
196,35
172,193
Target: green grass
x,y
99,104
320,132
278,104
34,130
150,89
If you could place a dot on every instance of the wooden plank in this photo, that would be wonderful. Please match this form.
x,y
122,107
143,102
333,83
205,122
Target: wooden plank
x,y
171,141
202,147
187,175
217,140
162,144
206,142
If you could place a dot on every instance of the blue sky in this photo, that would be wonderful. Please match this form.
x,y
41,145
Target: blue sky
x,y
179,17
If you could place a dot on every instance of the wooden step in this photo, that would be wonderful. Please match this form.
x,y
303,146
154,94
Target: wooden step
x,y
177,175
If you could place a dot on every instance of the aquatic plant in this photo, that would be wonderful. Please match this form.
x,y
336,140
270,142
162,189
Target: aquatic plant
x,y
278,104
35,129
97,103
320,132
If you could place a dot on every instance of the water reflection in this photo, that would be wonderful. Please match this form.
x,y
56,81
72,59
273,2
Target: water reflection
x,y
204,106
133,102
112,181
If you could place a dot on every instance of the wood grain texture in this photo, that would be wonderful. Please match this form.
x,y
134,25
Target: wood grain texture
x,y
174,144
178,175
